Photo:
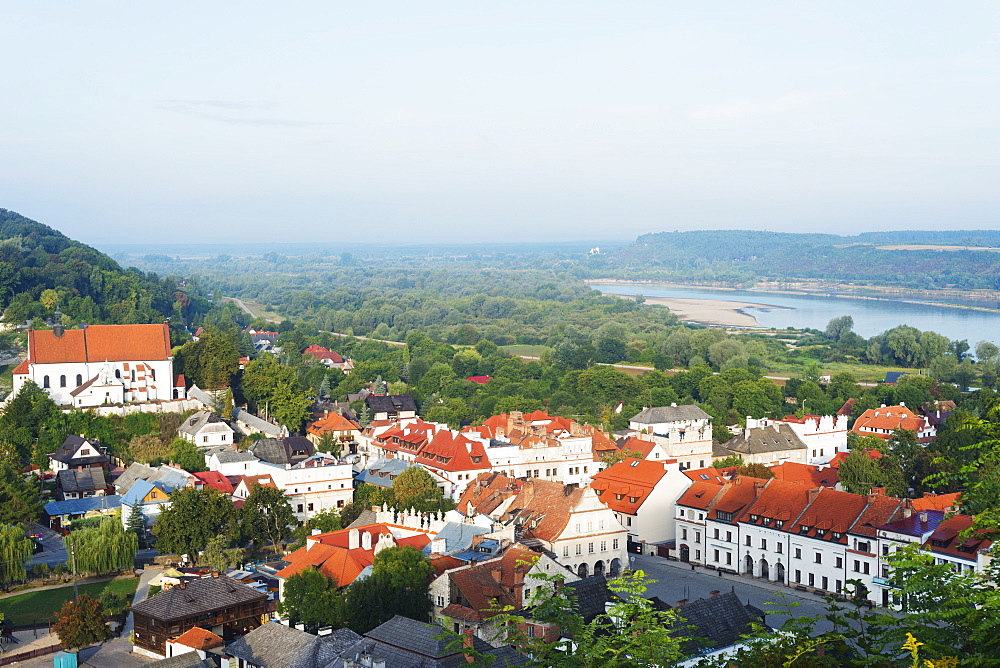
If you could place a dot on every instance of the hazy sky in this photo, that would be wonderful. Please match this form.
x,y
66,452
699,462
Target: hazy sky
x,y
139,121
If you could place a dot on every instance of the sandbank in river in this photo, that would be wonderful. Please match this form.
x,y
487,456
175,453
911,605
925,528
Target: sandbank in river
x,y
708,311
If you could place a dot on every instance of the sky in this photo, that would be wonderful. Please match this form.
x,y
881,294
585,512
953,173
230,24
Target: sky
x,y
470,121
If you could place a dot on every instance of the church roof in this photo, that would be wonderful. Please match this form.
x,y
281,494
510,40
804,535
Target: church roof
x,y
100,343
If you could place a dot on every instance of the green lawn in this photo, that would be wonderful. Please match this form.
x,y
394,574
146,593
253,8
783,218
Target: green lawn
x,y
39,605
528,351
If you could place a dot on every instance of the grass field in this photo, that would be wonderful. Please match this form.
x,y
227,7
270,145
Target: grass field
x,y
39,605
526,351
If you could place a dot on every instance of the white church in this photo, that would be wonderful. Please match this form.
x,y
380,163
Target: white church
x,y
101,364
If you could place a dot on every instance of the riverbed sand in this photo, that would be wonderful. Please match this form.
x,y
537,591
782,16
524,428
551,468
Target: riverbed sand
x,y
708,311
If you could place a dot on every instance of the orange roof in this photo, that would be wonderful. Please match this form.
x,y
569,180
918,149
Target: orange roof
x,y
331,422
709,474
21,368
804,474
935,501
699,495
448,451
829,511
844,454
626,485
198,638
264,480
548,502
889,418
639,445
736,495
100,343
215,480
779,500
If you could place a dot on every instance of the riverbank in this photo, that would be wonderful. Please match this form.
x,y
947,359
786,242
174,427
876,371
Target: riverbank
x,y
836,290
717,312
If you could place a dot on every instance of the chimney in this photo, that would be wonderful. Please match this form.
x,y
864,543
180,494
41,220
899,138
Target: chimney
x,y
316,532
215,574
469,643
673,404
758,487
183,585
923,516
366,541
812,494
353,539
713,594
681,602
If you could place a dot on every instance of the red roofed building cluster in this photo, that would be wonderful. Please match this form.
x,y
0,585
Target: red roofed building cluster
x,y
329,358
642,493
881,422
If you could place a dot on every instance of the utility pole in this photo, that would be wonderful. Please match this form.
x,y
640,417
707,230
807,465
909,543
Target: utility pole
x,y
72,558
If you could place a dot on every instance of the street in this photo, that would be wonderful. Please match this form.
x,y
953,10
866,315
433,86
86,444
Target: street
x,y
676,581
54,551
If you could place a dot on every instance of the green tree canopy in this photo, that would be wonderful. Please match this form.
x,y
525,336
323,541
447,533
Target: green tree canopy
x,y
311,598
80,623
192,519
267,517
102,549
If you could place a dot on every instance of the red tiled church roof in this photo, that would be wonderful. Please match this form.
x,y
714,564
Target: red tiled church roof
x,y
100,343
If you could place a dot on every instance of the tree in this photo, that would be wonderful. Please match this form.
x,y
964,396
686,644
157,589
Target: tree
x,y
415,488
136,523
621,455
267,517
102,549
192,519
726,462
398,585
311,598
324,521
80,623
187,456
218,557
19,498
755,470
15,550
838,327
859,473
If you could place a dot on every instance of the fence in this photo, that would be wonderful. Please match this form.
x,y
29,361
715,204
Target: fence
x,y
33,654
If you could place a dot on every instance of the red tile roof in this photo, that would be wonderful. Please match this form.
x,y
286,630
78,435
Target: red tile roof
x,y
829,511
779,500
633,480
639,445
890,418
198,638
21,368
100,343
710,474
699,495
322,353
332,422
804,474
946,539
736,495
487,587
215,480
844,454
550,503
935,501
453,452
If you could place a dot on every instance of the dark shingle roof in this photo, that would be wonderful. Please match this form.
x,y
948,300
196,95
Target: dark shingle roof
x,y
72,443
282,451
277,646
391,404
659,414
772,438
720,620
185,660
591,595
198,597
82,480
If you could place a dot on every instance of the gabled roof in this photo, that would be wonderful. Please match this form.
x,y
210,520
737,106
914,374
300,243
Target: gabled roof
x,y
169,478
881,510
770,438
936,501
660,414
710,474
257,424
632,479
382,472
321,353
100,343
81,506
450,451
82,480
804,474
890,418
197,597
275,645
139,489
202,420
198,638
330,422
946,539
70,447
699,495
397,403
542,507
829,511
735,497
721,619
917,524
234,456
634,443
215,480
282,451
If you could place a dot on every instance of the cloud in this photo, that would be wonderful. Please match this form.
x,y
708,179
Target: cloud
x,y
232,112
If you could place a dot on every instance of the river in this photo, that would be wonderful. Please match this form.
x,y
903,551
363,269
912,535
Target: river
x,y
871,317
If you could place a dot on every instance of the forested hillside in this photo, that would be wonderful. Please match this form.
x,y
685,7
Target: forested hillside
x,y
746,256
42,270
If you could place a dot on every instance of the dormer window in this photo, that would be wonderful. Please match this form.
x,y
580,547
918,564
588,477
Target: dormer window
x,y
804,529
820,533
754,518
779,523
837,535
633,499
618,497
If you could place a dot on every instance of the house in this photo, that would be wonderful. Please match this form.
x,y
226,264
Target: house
x,y
708,530
468,597
282,451
767,442
454,459
391,407
170,477
804,474
274,645
642,493
948,545
77,452
646,449
719,621
329,358
232,462
61,513
912,527
567,521
195,640
344,555
340,428
214,480
206,430
150,497
824,435
382,472
100,364
406,642
248,423
684,433
883,421
217,604
80,483
893,377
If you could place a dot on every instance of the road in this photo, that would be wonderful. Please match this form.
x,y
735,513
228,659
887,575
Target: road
x,y
676,581
54,550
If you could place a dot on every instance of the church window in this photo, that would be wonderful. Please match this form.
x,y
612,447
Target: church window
x,y
118,373
45,382
62,381
79,380
133,376
152,373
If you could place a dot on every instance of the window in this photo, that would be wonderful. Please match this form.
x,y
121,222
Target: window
x,y
680,512
604,546
798,553
531,630
697,536
857,566
614,544
715,556
729,536
310,507
763,543
62,381
578,528
579,548
45,382
204,439
565,550
723,516
862,546
825,583
629,523
79,380
798,576
748,541
300,508
839,586
684,533
885,550
840,562
778,547
701,516
715,534
340,504
812,579
864,568
590,527
697,555
440,601
590,548
729,558
779,523
818,558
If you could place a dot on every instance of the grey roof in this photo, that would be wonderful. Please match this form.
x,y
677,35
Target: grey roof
x,y
168,477
406,643
201,395
233,456
185,660
393,403
81,506
202,419
771,438
591,595
282,451
82,480
382,471
72,443
366,517
720,620
197,597
458,535
258,425
660,414
275,645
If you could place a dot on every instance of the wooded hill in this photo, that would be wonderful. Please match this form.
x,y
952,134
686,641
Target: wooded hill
x,y
962,259
42,269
